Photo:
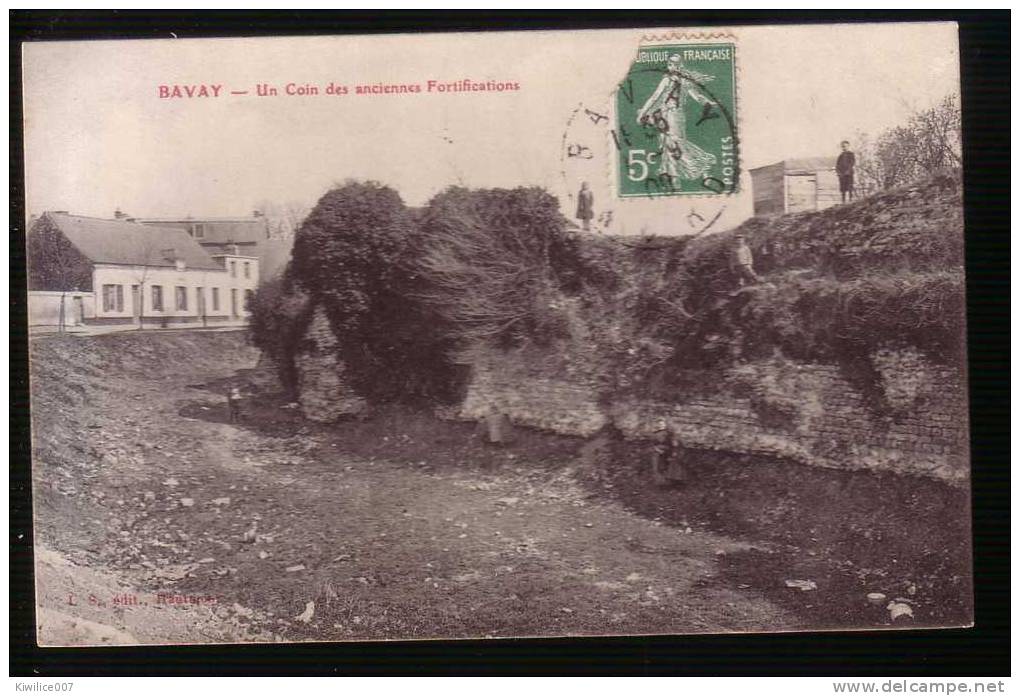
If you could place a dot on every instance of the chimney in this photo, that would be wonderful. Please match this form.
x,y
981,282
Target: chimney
x,y
119,214
257,213
170,254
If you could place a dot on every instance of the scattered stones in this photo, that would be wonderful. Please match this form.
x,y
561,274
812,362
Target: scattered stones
x,y
633,577
207,560
171,483
507,502
251,534
876,598
900,611
802,585
307,614
220,501
263,555
187,502
295,568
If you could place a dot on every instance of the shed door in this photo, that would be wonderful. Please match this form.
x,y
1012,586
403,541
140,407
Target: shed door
x,y
801,193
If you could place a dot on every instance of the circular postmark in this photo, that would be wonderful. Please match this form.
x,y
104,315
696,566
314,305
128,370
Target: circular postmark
x,y
662,158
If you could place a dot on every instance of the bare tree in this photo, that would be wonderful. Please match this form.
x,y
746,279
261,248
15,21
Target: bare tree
x,y
929,142
151,251
283,219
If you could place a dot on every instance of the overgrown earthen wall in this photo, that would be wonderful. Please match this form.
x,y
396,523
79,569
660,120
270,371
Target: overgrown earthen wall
x,y
915,422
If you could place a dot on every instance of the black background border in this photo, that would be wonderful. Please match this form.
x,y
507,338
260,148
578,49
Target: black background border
x,y
979,651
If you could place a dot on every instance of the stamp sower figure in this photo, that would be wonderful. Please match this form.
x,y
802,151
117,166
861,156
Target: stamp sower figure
x,y
585,206
845,171
233,403
664,110
743,260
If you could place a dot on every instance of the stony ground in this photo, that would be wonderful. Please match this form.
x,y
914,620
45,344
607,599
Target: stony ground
x,y
157,521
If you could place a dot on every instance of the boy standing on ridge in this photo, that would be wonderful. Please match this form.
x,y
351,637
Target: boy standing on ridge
x,y
845,171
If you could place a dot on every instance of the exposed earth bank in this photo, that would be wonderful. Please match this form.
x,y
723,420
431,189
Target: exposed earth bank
x,y
159,521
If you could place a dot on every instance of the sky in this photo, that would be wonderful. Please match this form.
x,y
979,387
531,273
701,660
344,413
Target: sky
x,y
99,138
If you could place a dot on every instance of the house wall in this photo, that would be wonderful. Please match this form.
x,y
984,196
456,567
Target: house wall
x,y
44,307
169,279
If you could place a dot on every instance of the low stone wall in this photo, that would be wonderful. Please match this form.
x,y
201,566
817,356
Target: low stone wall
x,y
808,413
911,420
537,402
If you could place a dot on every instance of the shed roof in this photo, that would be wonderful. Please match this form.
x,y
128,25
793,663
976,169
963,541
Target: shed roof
x,y
130,243
803,165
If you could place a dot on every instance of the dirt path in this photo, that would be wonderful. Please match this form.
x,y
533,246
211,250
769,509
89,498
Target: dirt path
x,y
172,527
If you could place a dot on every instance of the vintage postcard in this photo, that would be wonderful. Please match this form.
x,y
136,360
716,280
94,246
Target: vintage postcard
x,y
501,334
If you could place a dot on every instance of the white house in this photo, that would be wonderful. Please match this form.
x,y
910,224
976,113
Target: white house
x,y
97,271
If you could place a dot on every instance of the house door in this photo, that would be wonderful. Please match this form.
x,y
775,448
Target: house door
x,y
200,295
136,302
79,311
801,193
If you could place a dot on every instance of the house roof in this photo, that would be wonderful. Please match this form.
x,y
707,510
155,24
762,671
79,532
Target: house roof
x,y
130,243
221,230
803,165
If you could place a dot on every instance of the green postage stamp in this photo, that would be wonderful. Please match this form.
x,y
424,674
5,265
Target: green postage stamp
x,y
676,127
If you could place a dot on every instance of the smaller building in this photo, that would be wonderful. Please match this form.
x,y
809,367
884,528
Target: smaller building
x,y
84,270
795,186
250,236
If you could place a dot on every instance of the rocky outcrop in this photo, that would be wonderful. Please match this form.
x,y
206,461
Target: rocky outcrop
x,y
324,395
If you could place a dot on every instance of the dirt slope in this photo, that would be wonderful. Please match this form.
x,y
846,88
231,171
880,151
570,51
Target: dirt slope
x,y
166,523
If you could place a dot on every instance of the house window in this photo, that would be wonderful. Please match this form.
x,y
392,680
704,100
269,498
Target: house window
x,y
233,301
233,269
216,299
249,298
157,298
182,298
247,270
198,231
113,298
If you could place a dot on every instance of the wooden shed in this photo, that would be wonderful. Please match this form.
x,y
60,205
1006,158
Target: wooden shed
x,y
795,186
